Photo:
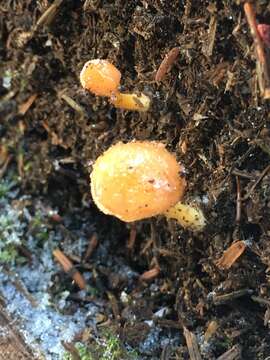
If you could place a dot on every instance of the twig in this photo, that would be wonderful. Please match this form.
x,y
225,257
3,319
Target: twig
x,y
242,174
233,354
132,237
260,300
209,44
222,299
263,73
72,103
211,330
72,350
93,243
25,252
90,5
192,344
262,175
47,17
114,305
54,137
69,268
23,108
147,246
166,352
238,201
5,166
169,253
166,323
150,274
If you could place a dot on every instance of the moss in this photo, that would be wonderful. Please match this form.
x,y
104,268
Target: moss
x,y
113,349
11,231
11,226
8,254
83,353
107,347
5,188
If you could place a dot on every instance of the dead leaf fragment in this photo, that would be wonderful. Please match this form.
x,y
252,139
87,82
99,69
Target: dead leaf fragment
x,y
231,255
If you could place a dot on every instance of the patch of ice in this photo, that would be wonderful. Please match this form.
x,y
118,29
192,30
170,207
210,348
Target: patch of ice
x,y
43,324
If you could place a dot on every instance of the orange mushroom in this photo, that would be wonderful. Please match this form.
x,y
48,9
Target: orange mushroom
x,y
100,77
103,79
141,179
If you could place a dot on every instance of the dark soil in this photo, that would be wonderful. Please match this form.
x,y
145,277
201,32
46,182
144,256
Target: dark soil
x,y
207,110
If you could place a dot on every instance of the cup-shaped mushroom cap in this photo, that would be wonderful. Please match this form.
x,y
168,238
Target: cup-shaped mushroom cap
x,y
100,77
136,180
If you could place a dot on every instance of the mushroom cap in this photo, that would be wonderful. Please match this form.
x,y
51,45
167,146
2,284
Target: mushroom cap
x,y
136,180
100,77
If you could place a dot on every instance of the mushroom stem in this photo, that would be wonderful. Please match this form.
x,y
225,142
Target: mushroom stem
x,y
131,101
188,216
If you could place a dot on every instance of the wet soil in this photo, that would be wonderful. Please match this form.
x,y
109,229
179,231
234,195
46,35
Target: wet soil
x,y
207,110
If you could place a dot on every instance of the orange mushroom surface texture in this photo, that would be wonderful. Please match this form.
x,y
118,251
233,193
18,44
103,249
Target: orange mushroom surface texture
x,y
136,180
100,77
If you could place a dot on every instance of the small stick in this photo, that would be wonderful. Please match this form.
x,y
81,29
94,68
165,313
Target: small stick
x,y
114,305
166,352
49,14
147,246
150,274
259,46
211,330
72,350
263,173
5,166
192,344
72,103
167,63
132,237
260,300
25,252
20,163
54,137
23,108
93,243
169,253
232,354
238,201
166,323
69,268
242,174
222,299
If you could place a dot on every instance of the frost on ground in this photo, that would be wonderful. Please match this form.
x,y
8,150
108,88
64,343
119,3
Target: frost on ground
x,y
39,317
42,327
46,307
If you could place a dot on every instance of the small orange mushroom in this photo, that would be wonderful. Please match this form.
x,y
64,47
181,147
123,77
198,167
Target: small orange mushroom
x,y
141,179
100,77
103,79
